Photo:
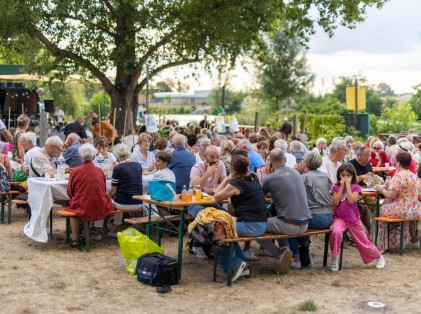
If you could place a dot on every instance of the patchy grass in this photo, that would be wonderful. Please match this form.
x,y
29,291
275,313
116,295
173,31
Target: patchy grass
x,y
307,306
58,285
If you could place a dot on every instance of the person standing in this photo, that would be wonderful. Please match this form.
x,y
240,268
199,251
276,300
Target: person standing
x,y
59,115
22,125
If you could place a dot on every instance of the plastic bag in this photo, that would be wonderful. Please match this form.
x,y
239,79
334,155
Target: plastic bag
x,y
134,244
161,190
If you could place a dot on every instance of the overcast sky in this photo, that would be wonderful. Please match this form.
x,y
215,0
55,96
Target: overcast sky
x,y
384,48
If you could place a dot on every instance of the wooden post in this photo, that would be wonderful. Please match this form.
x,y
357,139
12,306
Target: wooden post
x,y
115,112
99,118
43,131
23,109
256,121
8,121
124,129
295,125
131,122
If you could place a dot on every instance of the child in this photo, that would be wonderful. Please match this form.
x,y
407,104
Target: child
x,y
163,173
346,217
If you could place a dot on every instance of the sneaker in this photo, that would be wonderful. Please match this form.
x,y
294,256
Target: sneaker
x,y
198,252
413,245
264,252
380,262
334,265
249,256
284,260
237,271
96,237
245,272
112,235
296,265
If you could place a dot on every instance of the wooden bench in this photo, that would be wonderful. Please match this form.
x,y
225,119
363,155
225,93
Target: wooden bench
x,y
395,224
274,236
67,214
156,221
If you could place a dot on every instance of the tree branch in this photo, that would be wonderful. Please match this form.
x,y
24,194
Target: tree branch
x,y
109,7
87,22
167,66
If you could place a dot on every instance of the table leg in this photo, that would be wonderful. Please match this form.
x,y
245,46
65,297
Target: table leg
x,y
230,258
401,239
9,209
376,228
180,241
327,238
148,225
3,197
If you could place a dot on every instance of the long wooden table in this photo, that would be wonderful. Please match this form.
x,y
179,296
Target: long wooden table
x,y
178,205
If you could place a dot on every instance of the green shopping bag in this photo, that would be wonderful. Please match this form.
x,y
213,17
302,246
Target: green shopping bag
x,y
134,244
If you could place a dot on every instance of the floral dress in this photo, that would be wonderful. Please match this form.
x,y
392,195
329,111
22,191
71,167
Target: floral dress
x,y
404,205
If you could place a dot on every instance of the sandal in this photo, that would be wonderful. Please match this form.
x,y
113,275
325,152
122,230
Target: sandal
x,y
73,244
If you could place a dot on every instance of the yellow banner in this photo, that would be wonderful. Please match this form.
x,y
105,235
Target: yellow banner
x,y
351,98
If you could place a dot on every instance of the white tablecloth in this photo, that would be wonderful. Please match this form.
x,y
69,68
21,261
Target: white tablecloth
x,y
42,194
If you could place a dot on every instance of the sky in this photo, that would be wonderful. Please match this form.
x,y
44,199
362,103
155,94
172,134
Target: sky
x,y
386,47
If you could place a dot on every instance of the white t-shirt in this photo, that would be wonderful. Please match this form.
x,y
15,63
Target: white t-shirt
x,y
164,174
291,161
111,159
2,126
59,114
28,156
330,168
145,162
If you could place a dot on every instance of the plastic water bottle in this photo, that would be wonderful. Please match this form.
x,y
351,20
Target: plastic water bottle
x,y
100,161
60,167
107,163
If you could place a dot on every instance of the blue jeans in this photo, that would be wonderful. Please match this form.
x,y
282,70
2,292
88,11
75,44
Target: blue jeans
x,y
246,229
195,209
317,222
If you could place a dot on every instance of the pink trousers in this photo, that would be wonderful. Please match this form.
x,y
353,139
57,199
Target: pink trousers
x,y
365,247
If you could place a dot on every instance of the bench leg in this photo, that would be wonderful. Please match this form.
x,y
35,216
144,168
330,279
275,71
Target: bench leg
x,y
67,229
51,223
327,239
341,253
180,241
229,273
214,263
388,235
87,235
9,210
401,239
3,199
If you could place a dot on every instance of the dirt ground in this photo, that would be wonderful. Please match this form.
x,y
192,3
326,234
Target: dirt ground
x,y
53,278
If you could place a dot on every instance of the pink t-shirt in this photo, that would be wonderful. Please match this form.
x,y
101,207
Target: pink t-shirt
x,y
199,169
344,210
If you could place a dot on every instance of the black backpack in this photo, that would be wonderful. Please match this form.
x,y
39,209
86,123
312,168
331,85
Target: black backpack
x,y
157,270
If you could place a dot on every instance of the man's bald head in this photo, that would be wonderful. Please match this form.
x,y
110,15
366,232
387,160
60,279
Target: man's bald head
x,y
212,154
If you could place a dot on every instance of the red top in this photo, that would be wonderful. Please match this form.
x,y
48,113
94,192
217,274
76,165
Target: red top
x,y
412,168
383,159
88,193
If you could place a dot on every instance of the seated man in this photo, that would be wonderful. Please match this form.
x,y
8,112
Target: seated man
x,y
331,162
29,140
71,154
256,160
291,161
364,170
208,174
287,189
44,161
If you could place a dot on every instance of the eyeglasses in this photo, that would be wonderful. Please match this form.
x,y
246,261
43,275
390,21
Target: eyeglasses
x,y
376,148
344,149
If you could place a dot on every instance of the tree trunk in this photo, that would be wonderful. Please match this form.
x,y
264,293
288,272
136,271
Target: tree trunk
x,y
124,104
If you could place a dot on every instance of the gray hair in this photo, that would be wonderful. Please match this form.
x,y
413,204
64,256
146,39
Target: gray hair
x,y
313,160
245,143
277,155
74,137
392,139
321,140
228,145
87,152
281,144
203,140
361,150
179,140
30,136
349,138
336,144
296,146
54,141
121,152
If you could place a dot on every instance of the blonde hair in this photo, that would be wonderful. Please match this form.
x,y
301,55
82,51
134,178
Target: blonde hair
x,y
23,120
144,136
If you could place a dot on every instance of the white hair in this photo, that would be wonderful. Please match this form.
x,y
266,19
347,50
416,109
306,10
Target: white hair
x,y
54,141
121,152
336,144
245,143
203,140
296,146
30,136
87,152
321,140
74,137
179,140
281,144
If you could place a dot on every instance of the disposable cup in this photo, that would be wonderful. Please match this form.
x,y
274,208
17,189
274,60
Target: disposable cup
x,y
109,174
56,177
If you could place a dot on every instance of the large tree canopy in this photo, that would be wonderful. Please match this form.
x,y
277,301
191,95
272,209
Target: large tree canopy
x,y
96,36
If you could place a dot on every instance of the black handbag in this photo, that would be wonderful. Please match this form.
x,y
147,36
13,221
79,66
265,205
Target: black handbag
x,y
157,270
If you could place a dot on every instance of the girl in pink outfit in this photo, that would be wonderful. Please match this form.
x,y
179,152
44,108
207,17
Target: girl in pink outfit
x,y
346,217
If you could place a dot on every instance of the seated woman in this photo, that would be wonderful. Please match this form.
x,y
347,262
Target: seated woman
x,y
142,155
403,147
101,145
320,148
319,201
401,201
88,195
126,182
248,205
378,155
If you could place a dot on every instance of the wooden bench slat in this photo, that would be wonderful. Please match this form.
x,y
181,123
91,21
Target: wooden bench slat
x,y
120,211
19,202
65,213
144,220
273,236
394,219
